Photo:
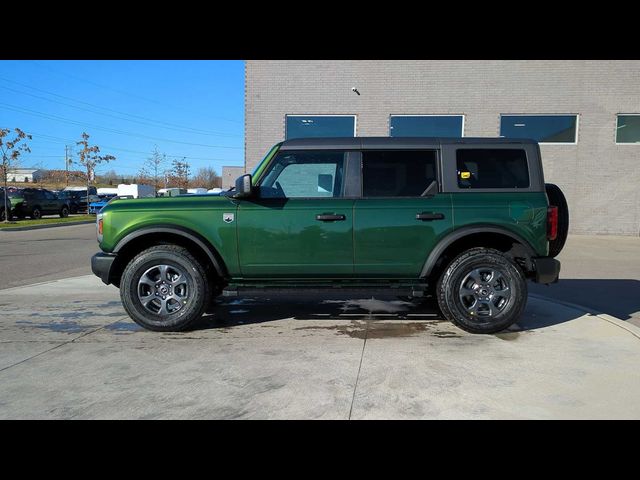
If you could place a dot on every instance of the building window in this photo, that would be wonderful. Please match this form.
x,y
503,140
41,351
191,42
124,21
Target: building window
x,y
492,168
542,128
304,126
628,129
426,126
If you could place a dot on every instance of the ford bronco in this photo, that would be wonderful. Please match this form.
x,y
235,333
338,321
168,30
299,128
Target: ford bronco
x,y
467,221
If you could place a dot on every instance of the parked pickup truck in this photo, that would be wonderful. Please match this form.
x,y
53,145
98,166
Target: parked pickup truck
x,y
467,221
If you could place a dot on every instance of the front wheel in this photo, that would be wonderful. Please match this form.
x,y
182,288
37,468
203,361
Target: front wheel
x,y
165,289
36,214
482,291
64,212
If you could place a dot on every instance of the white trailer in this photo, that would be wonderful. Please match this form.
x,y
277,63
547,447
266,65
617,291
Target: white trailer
x,y
137,190
197,191
107,191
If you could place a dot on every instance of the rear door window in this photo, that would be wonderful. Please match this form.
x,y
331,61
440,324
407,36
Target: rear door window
x,y
389,173
492,168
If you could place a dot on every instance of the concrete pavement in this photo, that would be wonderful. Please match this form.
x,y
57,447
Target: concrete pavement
x,y
68,350
600,272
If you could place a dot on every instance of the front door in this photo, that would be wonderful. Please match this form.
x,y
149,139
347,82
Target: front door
x,y
300,224
399,218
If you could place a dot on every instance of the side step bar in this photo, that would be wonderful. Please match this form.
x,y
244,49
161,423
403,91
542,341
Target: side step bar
x,y
320,291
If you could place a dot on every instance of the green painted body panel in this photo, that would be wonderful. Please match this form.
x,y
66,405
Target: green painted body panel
x,y
281,238
389,242
524,214
200,214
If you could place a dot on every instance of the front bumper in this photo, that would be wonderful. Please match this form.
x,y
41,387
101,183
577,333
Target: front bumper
x,y
547,269
101,264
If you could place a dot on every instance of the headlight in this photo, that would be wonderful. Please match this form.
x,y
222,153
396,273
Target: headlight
x,y
99,226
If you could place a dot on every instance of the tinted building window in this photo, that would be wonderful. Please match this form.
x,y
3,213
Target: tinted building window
x,y
425,126
492,168
543,128
628,129
397,173
306,174
298,126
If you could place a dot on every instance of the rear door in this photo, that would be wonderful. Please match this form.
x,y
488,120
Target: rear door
x,y
300,224
398,220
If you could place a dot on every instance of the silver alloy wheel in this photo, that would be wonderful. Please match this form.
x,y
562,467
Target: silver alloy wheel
x,y
163,289
485,292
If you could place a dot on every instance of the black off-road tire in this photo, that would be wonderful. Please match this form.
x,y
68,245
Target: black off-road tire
x,y
450,282
557,198
3,216
36,213
64,212
197,284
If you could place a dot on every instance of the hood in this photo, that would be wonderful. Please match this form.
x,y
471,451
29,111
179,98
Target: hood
x,y
188,202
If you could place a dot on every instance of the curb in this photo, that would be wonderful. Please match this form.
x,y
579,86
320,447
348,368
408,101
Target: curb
x,y
47,225
629,327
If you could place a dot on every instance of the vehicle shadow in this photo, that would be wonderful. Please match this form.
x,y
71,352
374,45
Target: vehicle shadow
x,y
617,297
246,311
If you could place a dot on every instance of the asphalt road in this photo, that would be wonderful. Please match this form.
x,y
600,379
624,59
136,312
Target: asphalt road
x,y
35,256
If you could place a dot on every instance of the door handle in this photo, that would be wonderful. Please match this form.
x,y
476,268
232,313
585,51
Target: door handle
x,y
330,218
428,216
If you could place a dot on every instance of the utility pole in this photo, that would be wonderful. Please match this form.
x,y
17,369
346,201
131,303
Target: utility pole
x,y
66,164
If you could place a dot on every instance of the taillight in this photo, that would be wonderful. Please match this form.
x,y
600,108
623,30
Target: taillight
x,y
552,222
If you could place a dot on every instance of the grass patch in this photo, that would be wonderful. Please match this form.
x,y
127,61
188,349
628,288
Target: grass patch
x,y
15,223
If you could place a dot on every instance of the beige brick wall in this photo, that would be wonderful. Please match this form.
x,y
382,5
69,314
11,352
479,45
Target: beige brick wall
x,y
600,179
229,176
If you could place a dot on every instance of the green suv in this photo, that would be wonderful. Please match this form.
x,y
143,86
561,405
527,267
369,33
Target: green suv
x,y
466,221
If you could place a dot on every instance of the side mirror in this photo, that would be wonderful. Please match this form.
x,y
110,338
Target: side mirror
x,y
243,186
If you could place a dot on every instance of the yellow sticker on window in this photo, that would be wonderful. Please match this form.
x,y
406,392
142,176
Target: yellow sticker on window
x,y
465,175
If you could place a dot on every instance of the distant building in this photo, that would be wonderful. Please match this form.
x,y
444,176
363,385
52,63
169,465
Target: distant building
x,y
229,175
27,175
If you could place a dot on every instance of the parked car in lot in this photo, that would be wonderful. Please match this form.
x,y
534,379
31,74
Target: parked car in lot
x,y
36,202
467,221
76,197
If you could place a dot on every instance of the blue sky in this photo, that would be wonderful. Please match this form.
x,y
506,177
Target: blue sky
x,y
193,109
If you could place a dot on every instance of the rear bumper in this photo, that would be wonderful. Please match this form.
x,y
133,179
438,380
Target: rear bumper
x,y
101,264
547,269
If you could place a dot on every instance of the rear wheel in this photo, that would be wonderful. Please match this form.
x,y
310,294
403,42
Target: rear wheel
x,y
165,288
557,198
482,291
3,215
64,212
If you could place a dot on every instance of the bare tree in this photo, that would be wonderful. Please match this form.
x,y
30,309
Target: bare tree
x,y
152,168
181,172
206,177
11,150
88,157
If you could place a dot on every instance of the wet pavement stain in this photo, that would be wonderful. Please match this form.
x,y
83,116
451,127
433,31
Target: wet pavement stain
x,y
384,330
64,326
124,327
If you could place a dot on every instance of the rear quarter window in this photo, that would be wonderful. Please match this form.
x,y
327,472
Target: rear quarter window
x,y
492,168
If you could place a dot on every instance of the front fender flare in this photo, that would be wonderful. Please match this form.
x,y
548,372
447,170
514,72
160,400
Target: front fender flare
x,y
195,237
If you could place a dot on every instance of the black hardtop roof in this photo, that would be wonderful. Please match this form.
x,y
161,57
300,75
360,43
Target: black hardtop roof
x,y
372,143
